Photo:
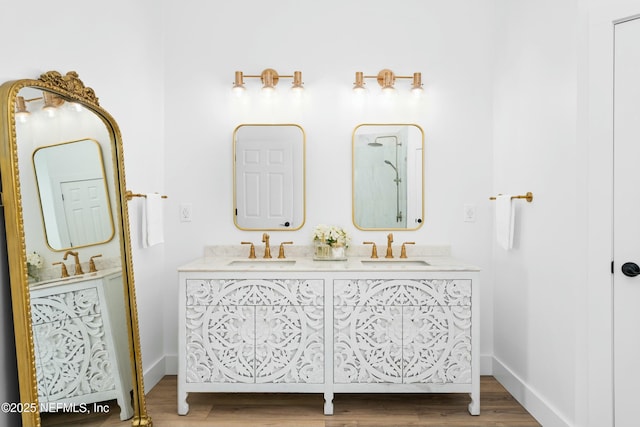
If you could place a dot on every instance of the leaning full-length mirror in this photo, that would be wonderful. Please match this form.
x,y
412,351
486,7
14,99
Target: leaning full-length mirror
x,y
388,176
269,177
70,266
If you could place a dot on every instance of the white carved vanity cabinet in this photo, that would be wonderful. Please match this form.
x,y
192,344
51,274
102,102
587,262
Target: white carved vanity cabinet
x,y
355,326
81,352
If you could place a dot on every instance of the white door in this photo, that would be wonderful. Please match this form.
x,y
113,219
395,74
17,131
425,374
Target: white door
x,y
86,211
626,234
264,177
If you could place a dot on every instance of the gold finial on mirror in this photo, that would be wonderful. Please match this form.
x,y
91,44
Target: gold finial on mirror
x,y
70,83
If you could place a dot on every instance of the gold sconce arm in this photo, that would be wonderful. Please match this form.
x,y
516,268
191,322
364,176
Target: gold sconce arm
x,y
387,80
269,78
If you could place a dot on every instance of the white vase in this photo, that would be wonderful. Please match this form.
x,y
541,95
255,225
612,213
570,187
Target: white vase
x,y
337,252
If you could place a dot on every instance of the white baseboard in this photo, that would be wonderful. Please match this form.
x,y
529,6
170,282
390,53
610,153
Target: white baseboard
x,y
154,374
486,364
530,399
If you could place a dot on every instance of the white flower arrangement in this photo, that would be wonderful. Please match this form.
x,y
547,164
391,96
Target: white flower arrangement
x,y
332,235
34,263
35,259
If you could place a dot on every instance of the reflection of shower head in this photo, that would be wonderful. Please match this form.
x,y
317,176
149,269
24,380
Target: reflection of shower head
x,y
375,144
391,164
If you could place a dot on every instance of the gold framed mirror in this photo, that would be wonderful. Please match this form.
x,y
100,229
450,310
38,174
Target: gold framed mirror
x,y
269,177
388,177
74,306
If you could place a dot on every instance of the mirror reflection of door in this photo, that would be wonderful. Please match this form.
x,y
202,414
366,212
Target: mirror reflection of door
x,y
264,173
86,211
269,177
387,177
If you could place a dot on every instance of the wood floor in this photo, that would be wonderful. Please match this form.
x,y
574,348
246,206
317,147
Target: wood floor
x,y
497,406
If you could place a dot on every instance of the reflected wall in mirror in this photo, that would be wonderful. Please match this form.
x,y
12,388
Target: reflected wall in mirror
x,y
269,177
73,194
388,176
75,318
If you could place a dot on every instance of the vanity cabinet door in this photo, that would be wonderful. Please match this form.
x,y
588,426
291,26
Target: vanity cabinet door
x,y
254,331
402,331
436,344
72,355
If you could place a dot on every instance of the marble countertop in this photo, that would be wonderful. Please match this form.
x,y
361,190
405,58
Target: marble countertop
x,y
231,258
74,279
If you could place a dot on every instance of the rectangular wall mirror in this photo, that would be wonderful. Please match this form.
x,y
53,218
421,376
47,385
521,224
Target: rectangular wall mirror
x,y
72,190
269,177
388,176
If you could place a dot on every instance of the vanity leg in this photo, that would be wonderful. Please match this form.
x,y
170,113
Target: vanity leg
x,y
474,406
328,403
183,406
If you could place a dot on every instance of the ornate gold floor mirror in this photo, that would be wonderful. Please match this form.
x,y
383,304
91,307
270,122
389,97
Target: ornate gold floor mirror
x,y
70,266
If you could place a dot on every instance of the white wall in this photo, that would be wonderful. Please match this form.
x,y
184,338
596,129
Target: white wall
x,y
537,284
116,49
449,42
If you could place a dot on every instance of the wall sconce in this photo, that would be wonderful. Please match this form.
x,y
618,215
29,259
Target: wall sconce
x,y
51,103
21,109
387,79
270,79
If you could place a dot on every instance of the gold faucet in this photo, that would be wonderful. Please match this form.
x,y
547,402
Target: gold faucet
x,y
267,249
403,251
252,249
374,249
78,266
64,273
389,250
92,264
281,252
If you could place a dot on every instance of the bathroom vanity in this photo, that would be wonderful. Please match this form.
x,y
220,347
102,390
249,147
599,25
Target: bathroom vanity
x,y
356,326
80,341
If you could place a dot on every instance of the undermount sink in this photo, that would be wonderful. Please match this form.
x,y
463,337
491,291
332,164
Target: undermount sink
x,y
267,263
396,263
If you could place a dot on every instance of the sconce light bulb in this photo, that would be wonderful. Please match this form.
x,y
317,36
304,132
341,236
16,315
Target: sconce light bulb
x,y
238,84
416,86
389,90
238,90
21,109
297,86
268,90
75,106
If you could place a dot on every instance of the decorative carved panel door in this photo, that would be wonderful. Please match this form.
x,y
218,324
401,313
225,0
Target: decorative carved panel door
x,y
255,331
402,331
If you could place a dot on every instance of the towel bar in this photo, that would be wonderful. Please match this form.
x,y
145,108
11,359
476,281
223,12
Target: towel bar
x,y
528,196
130,195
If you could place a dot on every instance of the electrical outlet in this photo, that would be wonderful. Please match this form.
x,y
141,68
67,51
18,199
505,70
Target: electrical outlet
x,y
185,212
469,213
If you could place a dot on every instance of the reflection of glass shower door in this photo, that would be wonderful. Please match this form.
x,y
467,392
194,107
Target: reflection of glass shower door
x,y
85,212
380,173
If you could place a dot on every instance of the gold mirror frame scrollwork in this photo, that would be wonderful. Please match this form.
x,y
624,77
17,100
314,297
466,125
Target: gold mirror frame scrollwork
x,y
71,88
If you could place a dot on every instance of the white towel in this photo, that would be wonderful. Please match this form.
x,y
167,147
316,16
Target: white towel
x,y
152,221
505,220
